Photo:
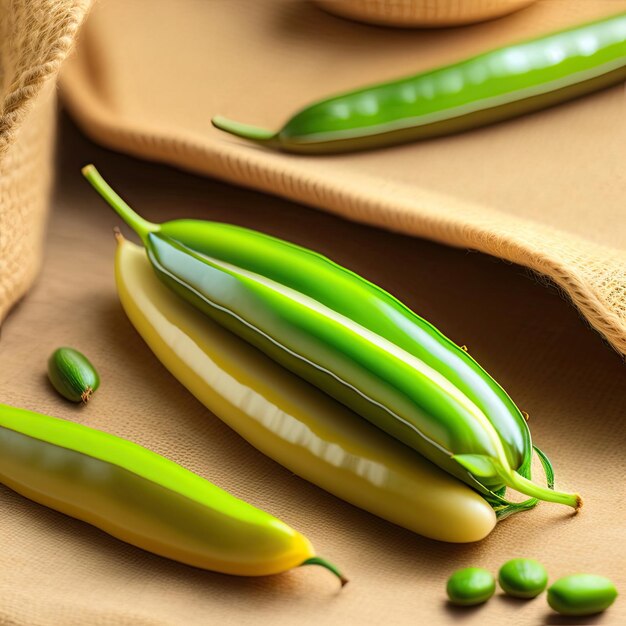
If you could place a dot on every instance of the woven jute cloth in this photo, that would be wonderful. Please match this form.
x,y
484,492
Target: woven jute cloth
x,y
34,39
545,191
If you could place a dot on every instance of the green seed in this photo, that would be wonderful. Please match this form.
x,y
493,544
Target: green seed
x,y
72,374
469,586
581,594
523,578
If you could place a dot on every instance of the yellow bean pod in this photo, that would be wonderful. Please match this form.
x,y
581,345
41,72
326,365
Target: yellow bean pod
x,y
292,422
143,498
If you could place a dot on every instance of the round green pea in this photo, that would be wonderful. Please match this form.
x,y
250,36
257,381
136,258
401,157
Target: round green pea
x,y
523,578
469,586
581,594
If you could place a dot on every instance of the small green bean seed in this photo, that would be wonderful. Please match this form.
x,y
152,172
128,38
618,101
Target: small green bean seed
x,y
523,578
469,586
581,594
72,374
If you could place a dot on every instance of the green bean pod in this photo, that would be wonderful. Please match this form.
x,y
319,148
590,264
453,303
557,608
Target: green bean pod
x,y
351,339
491,87
143,498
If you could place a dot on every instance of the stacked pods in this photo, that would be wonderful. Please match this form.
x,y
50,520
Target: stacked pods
x,y
352,340
290,421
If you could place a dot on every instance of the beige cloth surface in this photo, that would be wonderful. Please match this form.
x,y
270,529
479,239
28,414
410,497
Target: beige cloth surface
x,y
58,571
545,191
34,39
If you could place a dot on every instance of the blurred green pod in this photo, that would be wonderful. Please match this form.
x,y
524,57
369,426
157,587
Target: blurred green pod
x,y
496,85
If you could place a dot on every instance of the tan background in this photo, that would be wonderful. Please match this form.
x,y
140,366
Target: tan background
x,y
55,570
545,191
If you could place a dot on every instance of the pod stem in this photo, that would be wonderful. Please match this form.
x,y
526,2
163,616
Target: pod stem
x,y
480,465
528,487
254,133
316,560
141,226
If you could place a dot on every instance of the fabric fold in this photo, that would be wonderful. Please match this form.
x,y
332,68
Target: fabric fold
x,y
544,190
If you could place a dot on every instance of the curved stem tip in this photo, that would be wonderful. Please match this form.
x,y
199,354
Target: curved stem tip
x,y
523,485
254,133
141,226
481,465
316,560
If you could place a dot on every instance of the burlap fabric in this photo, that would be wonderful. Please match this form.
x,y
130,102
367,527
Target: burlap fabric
x,y
34,39
545,191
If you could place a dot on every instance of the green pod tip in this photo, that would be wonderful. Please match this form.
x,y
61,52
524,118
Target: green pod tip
x,y
317,560
528,487
141,226
484,466
254,133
